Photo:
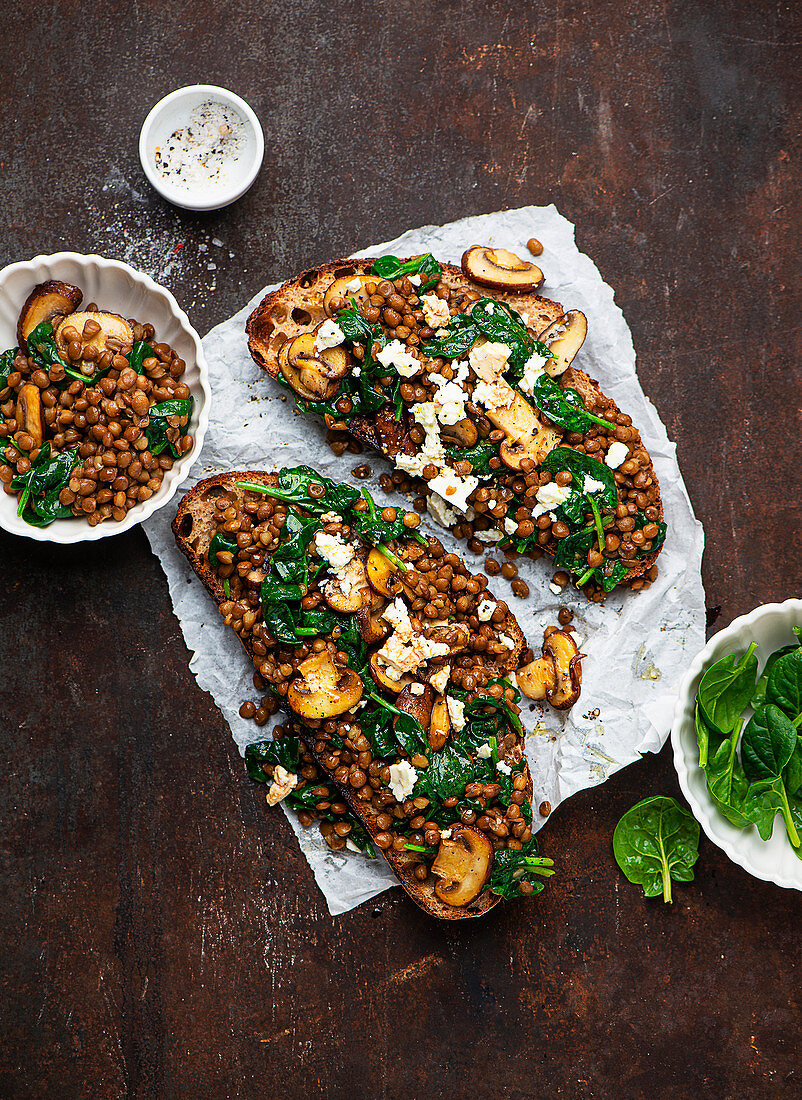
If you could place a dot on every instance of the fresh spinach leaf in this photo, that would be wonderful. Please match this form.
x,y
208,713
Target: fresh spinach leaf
x,y
390,267
462,333
564,406
7,365
729,789
784,687
138,354
156,431
409,733
511,868
42,347
581,466
759,696
478,455
284,751
221,542
39,489
657,841
768,744
726,688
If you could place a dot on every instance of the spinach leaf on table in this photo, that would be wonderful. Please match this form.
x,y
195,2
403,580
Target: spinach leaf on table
x,y
511,868
784,686
657,841
768,744
564,406
726,689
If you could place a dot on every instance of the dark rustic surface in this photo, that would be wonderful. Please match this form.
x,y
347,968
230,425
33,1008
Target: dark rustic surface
x,y
162,935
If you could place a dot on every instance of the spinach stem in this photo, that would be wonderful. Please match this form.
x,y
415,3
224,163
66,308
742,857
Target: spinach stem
x,y
594,507
793,835
391,557
585,577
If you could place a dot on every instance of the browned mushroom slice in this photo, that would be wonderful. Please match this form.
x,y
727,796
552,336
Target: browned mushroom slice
x,y
45,302
382,574
440,724
29,414
561,647
462,434
345,288
314,375
564,337
102,328
527,436
536,678
462,865
322,691
417,699
501,270
381,673
372,627
348,592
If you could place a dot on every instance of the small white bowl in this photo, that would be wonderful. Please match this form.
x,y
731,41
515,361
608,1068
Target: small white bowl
x,y
118,288
171,114
773,860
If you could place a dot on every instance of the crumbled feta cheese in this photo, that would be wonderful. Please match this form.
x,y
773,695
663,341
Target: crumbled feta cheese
x,y
336,551
449,399
485,610
404,651
454,489
533,368
555,588
493,395
414,279
525,318
329,335
591,485
483,752
416,689
505,769
550,496
490,309
445,834
397,615
411,464
506,641
439,678
617,454
510,526
488,536
489,360
356,372
491,504
330,517
456,713
435,311
283,783
438,508
398,356
354,286
402,780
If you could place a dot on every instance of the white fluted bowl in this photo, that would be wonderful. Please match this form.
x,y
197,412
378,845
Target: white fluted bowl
x,y
773,860
115,287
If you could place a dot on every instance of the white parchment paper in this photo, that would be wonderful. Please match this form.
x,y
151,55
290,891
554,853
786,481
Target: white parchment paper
x,y
637,644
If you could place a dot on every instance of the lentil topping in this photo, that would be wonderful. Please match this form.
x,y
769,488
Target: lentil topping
x,y
393,662
478,405
93,411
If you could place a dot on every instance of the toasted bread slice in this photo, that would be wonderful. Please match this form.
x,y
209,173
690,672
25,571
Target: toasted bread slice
x,y
194,527
298,307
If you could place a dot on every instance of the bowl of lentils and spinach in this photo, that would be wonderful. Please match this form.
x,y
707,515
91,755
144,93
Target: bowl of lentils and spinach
x,y
104,398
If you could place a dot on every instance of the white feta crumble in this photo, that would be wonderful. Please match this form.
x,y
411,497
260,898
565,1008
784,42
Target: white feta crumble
x,y
456,713
354,286
358,706
397,615
493,395
555,588
533,369
483,752
454,489
400,358
506,641
356,372
485,610
435,311
283,783
449,399
334,549
329,335
404,651
438,508
502,767
550,496
440,678
330,517
445,834
510,526
617,454
591,485
489,360
414,279
402,780
416,689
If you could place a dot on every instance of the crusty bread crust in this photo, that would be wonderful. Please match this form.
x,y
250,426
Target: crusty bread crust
x,y
194,527
297,306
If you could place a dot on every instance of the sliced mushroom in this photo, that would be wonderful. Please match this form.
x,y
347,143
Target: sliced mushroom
x,y
381,674
417,703
501,270
440,724
527,436
461,434
322,691
314,375
110,326
382,574
350,591
564,337
45,302
340,288
29,414
561,647
462,865
536,678
372,627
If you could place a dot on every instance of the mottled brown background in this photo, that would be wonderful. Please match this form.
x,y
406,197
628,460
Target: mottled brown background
x,y
161,933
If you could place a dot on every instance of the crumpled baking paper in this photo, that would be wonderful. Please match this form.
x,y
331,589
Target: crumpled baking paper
x,y
638,645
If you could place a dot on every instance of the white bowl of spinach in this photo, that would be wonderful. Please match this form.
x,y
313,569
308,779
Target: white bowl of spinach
x,y
737,739
117,287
